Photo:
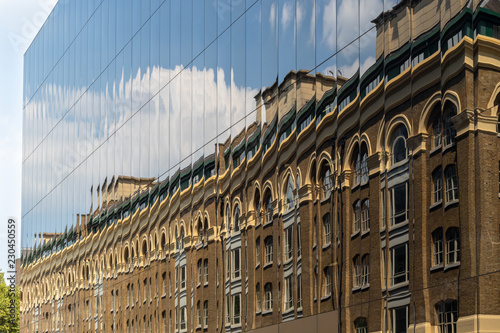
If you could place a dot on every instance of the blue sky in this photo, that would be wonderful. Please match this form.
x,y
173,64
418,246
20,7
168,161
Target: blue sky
x,y
19,22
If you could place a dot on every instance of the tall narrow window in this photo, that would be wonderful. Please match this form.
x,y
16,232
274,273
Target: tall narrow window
x,y
237,309
364,164
399,264
299,291
328,282
269,249
437,130
451,183
237,219
365,216
288,297
199,272
236,260
257,251
327,229
357,217
365,275
327,182
164,283
299,252
205,267
357,270
437,246
183,277
437,185
449,130
289,194
228,216
183,318
399,319
268,300
399,203
258,305
452,246
198,312
288,243
205,314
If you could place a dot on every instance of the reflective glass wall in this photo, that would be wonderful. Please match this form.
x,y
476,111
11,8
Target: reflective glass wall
x,y
154,90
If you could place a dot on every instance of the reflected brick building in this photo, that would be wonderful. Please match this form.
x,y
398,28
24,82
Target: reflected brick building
x,y
354,202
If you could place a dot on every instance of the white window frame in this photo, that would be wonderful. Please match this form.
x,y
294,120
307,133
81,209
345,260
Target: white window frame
x,y
447,316
268,297
269,250
393,196
404,274
365,275
365,215
236,309
328,282
327,229
394,317
451,183
205,314
288,243
236,263
288,294
452,246
257,251
356,226
183,277
258,303
437,185
357,271
437,247
205,267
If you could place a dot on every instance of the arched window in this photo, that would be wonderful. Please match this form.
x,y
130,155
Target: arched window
x,y
289,194
181,242
361,325
200,231
437,126
447,316
357,217
228,216
452,246
268,199
398,150
237,219
364,164
257,206
326,176
437,185
451,183
268,300
449,129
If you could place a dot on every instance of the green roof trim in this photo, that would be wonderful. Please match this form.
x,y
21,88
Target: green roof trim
x,y
453,21
306,108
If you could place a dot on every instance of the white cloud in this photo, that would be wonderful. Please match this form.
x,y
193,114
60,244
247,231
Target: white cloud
x,y
349,70
287,16
329,27
367,64
300,12
272,16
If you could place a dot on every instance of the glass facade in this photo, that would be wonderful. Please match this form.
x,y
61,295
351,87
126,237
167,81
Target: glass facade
x,y
132,106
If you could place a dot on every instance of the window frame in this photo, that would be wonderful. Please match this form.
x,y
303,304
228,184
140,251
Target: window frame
x,y
451,183
437,247
404,274
452,246
268,250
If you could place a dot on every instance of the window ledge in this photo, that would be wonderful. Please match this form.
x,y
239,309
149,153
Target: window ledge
x,y
326,246
164,295
436,204
198,285
325,199
449,203
436,268
435,149
257,266
258,312
399,225
399,285
287,311
445,148
355,234
267,312
356,289
398,164
353,187
205,284
314,246
365,286
269,264
366,232
452,265
287,261
326,297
